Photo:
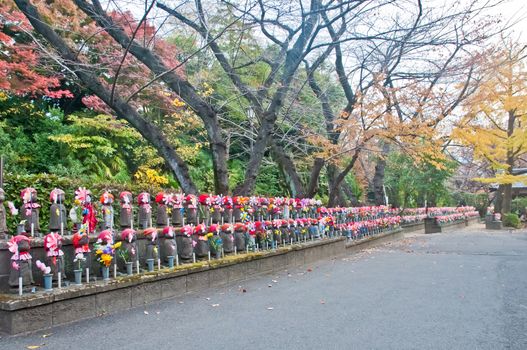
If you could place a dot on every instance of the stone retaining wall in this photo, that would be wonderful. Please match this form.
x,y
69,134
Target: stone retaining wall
x,y
413,227
431,225
33,312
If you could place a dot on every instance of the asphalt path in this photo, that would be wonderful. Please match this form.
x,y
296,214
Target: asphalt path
x,y
459,290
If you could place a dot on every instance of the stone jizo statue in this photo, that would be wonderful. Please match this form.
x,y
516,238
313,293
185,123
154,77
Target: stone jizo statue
x,y
127,213
57,211
107,210
145,210
20,246
29,211
54,254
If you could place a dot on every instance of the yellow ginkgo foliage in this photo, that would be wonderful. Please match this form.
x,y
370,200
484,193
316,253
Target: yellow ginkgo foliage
x,y
495,123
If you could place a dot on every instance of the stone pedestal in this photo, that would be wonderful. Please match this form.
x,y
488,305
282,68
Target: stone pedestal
x,y
431,226
493,225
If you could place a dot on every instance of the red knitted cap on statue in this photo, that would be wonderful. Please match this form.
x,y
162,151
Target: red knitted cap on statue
x,y
125,235
240,227
105,236
159,197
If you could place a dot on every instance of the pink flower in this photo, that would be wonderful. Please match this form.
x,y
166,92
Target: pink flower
x,y
12,208
45,269
15,266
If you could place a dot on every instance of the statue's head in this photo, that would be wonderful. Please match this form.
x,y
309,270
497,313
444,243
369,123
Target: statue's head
x,y
82,195
106,198
126,197
143,198
57,196
28,195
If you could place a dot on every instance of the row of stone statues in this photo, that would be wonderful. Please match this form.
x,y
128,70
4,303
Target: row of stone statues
x,y
172,209
83,212
162,245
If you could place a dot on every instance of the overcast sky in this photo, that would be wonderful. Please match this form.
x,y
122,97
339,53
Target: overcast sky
x,y
516,11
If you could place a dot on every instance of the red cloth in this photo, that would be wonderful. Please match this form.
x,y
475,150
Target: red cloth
x,y
90,218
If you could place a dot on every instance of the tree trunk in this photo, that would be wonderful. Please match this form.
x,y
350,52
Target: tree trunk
x,y
498,199
507,198
507,188
288,170
378,177
312,187
352,199
336,195
148,130
334,189
179,85
293,59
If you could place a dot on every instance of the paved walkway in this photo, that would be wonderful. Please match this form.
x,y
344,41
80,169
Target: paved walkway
x,y
462,290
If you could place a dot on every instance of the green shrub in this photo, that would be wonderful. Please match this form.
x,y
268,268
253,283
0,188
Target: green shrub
x,y
519,205
511,220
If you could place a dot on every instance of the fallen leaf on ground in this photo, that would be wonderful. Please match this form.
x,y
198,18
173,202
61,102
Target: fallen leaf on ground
x,y
46,335
275,281
34,346
215,305
309,270
270,308
146,312
158,312
322,301
180,302
269,285
207,298
244,290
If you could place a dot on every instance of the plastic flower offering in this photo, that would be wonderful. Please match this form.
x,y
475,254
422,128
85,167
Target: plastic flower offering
x,y
106,253
79,258
45,269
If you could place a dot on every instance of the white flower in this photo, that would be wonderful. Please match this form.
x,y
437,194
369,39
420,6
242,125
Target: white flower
x,y
79,257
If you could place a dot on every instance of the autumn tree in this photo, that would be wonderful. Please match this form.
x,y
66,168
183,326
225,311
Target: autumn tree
x,y
494,125
135,39
398,87
22,71
264,57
